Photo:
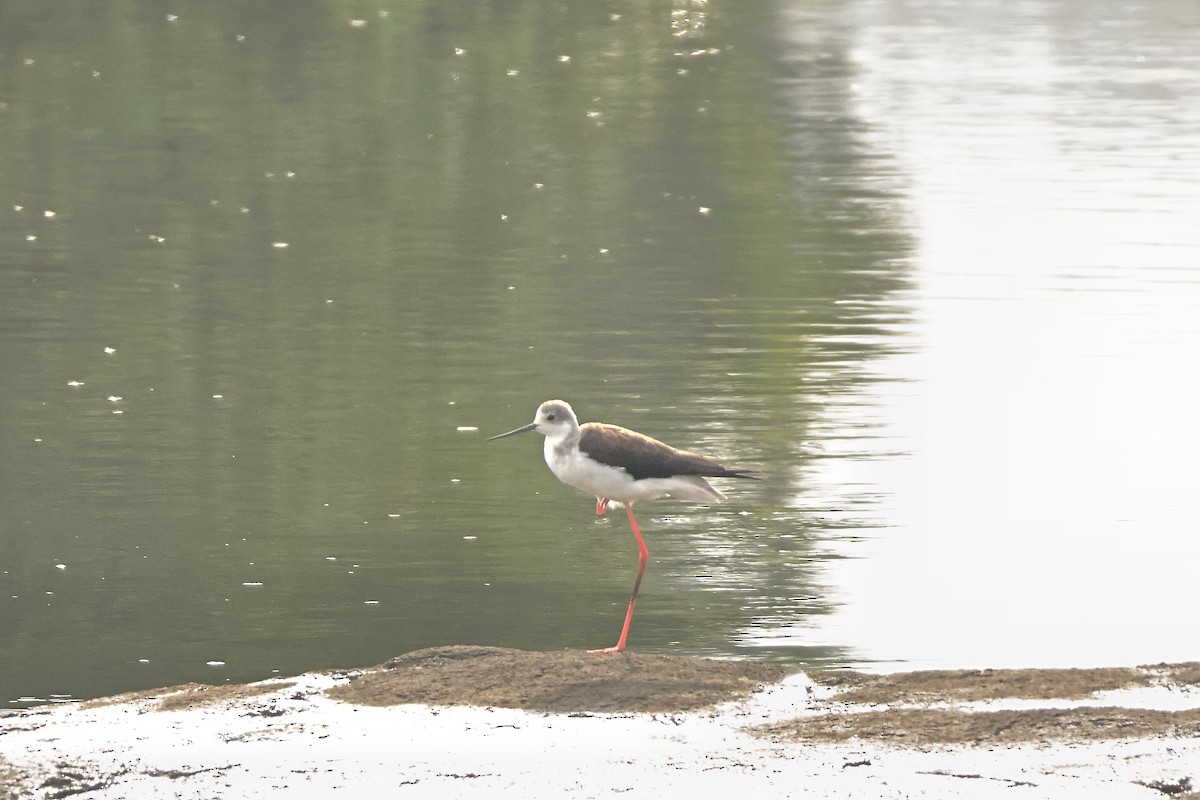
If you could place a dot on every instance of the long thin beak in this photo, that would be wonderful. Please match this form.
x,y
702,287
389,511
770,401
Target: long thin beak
x,y
522,429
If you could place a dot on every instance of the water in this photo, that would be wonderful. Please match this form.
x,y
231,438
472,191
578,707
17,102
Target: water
x,y
1041,514
269,281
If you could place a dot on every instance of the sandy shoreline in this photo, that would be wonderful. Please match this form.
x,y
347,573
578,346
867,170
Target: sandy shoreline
x,y
473,721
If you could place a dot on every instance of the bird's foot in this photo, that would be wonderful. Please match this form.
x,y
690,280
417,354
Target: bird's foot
x,y
613,649
601,506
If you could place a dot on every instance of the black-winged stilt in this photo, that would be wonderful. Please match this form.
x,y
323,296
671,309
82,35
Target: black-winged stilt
x,y
617,464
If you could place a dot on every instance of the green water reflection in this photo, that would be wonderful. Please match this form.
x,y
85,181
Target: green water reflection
x,y
261,264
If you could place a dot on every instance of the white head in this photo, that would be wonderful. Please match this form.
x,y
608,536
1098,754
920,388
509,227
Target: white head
x,y
554,419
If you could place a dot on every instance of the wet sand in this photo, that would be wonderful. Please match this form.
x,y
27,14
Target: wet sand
x,y
475,720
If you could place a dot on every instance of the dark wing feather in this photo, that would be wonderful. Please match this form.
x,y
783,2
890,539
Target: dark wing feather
x,y
644,457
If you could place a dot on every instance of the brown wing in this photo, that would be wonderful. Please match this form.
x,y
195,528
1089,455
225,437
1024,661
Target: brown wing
x,y
644,457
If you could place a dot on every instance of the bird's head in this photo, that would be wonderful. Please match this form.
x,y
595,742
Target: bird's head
x,y
554,418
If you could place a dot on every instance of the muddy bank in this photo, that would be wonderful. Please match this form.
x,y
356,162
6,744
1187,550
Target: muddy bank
x,y
941,707
434,718
562,682
913,708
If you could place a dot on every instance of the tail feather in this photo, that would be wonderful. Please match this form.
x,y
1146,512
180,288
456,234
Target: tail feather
x,y
697,490
749,474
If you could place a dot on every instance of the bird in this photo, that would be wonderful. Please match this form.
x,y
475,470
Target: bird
x,y
618,465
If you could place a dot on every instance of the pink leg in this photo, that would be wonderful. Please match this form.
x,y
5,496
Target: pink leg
x,y
601,506
643,556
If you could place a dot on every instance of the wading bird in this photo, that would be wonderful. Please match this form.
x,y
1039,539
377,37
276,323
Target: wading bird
x,y
619,465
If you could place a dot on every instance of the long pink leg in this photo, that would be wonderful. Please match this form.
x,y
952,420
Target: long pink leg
x,y
643,556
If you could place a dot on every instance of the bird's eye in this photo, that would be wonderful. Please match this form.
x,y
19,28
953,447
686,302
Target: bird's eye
x,y
550,418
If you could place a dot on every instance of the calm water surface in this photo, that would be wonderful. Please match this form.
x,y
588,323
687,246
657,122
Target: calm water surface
x,y
266,284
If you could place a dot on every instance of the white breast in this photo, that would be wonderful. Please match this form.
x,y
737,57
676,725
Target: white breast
x,y
574,469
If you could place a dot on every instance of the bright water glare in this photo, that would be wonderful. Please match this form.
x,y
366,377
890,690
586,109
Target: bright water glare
x,y
1040,508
